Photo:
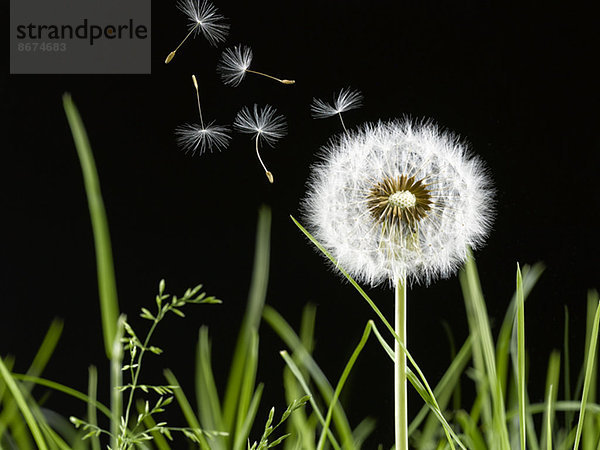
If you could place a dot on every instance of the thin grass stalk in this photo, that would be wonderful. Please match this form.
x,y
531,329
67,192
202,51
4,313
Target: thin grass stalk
x,y
552,380
548,421
400,387
92,416
521,356
342,381
116,381
591,426
590,358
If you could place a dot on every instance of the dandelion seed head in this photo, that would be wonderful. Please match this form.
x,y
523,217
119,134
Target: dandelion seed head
x,y
233,64
205,18
344,100
195,138
262,123
399,199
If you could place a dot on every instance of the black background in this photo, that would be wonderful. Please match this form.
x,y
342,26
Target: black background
x,y
518,83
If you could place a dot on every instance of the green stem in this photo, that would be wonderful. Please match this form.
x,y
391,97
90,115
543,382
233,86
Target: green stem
x,y
400,387
138,369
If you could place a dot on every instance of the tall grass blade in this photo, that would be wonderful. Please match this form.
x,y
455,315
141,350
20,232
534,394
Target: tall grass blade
x,y
530,276
234,405
444,391
547,436
107,289
483,349
521,357
298,374
342,381
207,397
552,381
23,406
41,358
248,397
187,410
590,437
92,417
589,369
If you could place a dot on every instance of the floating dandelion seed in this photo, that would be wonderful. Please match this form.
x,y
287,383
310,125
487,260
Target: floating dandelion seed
x,y
263,123
235,63
194,137
204,18
345,100
399,202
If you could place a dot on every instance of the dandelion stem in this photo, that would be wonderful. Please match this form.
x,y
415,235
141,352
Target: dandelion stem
x,y
267,173
198,98
171,55
342,120
400,391
272,77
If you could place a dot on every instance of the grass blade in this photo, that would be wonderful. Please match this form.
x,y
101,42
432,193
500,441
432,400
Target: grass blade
x,y
521,356
590,437
239,373
548,422
591,359
107,288
187,410
207,396
298,374
91,404
64,389
552,380
23,407
483,350
342,381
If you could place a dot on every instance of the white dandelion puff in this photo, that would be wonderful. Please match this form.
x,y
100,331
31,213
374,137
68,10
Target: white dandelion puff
x,y
235,63
202,137
399,200
345,100
203,18
263,124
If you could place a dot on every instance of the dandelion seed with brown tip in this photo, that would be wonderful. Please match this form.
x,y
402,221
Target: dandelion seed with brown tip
x,y
263,124
235,63
200,137
204,18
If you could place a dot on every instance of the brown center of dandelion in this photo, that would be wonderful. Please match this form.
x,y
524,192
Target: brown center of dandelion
x,y
400,201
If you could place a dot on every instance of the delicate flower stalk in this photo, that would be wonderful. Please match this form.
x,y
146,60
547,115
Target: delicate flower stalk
x,y
345,100
235,63
399,202
201,137
204,18
263,123
400,381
